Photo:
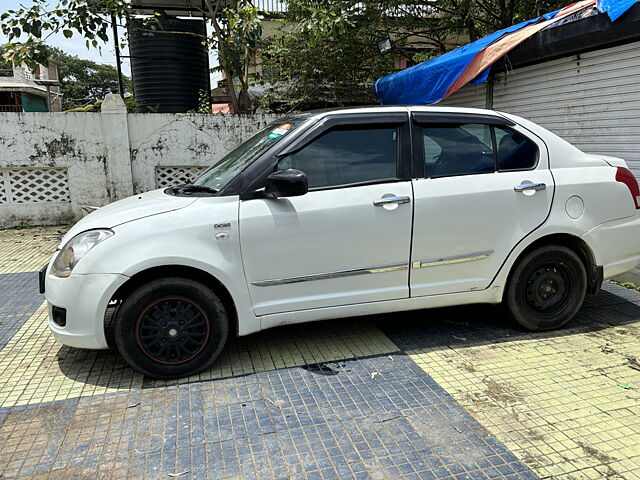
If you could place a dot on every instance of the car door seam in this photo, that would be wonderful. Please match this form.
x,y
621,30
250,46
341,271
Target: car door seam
x,y
413,211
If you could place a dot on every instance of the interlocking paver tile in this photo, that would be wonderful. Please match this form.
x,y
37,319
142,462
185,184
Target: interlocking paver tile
x,y
286,423
19,299
566,402
28,249
452,393
35,368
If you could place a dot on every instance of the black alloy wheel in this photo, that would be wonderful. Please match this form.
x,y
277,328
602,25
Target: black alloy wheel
x,y
172,330
546,288
171,327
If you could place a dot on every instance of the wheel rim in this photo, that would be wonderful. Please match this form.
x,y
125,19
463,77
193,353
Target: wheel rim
x,y
172,330
548,289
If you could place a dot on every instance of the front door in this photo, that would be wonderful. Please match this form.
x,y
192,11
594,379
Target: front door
x,y
486,188
347,240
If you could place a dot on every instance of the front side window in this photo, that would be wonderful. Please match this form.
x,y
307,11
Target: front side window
x,y
457,149
345,156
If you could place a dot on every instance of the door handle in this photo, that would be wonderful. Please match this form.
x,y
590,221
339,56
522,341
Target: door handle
x,y
391,200
530,186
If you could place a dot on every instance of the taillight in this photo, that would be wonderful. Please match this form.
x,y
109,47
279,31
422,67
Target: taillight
x,y
625,176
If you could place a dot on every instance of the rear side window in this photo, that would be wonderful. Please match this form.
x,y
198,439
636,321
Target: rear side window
x,y
514,151
457,150
468,149
347,156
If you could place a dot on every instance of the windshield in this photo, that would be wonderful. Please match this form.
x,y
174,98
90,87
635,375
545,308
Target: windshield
x,y
235,161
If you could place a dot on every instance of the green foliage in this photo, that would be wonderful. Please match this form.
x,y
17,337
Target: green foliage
x,y
28,27
477,18
236,34
83,82
326,52
204,103
629,285
129,102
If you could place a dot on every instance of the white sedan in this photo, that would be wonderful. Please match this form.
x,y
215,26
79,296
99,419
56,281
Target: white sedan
x,y
343,213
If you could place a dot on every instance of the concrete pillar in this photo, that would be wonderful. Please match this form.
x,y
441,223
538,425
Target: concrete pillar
x,y
118,155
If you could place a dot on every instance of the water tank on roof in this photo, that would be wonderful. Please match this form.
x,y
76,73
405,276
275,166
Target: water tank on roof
x,y
168,64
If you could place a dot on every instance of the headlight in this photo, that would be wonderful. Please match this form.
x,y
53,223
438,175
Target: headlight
x,y
75,249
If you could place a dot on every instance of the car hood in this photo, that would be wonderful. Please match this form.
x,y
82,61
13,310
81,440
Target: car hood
x,y
154,202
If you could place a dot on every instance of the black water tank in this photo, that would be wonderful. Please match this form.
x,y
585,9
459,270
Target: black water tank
x,y
169,69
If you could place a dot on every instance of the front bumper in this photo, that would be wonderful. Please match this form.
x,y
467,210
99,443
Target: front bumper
x,y
85,299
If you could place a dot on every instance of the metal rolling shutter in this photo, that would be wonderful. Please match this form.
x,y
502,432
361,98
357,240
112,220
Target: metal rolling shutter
x,y
591,100
470,96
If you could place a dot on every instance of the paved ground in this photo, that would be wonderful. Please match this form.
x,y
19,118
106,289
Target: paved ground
x,y
449,393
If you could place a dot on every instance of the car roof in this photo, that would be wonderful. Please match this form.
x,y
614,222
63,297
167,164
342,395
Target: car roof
x,y
373,109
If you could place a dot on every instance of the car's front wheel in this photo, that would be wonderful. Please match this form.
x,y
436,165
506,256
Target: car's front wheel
x,y
546,289
171,327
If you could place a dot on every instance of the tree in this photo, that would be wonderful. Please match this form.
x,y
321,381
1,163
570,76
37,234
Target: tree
x,y
326,50
83,81
236,32
477,18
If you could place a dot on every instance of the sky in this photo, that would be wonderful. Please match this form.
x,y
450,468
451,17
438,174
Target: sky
x,y
76,45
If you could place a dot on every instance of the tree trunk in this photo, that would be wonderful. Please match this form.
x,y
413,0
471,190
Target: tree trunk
x,y
213,15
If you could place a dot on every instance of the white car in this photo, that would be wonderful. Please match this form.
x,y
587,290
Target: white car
x,y
343,213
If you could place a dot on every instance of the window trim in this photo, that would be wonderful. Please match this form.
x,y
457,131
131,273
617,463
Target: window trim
x,y
352,120
425,118
359,184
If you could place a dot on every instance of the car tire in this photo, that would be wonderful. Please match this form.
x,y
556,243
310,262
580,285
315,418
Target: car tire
x,y
171,327
546,289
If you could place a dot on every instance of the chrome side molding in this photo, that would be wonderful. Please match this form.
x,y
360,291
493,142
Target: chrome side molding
x,y
468,257
326,276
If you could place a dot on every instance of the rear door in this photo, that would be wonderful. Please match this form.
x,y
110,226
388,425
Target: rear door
x,y
485,186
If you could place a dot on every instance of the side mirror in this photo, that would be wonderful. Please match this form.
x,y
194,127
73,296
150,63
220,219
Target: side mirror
x,y
287,183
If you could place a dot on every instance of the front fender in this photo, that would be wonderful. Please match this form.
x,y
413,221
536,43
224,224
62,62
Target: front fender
x,y
185,237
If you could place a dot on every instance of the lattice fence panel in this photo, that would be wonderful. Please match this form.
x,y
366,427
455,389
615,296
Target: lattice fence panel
x,y
38,185
171,176
4,187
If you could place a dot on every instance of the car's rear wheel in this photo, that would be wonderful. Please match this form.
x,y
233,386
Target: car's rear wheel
x,y
547,288
171,327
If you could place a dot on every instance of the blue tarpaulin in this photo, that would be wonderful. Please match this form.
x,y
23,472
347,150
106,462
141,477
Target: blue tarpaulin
x,y
429,82
615,8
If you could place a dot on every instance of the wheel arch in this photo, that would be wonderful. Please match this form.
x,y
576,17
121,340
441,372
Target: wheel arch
x,y
574,243
184,271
